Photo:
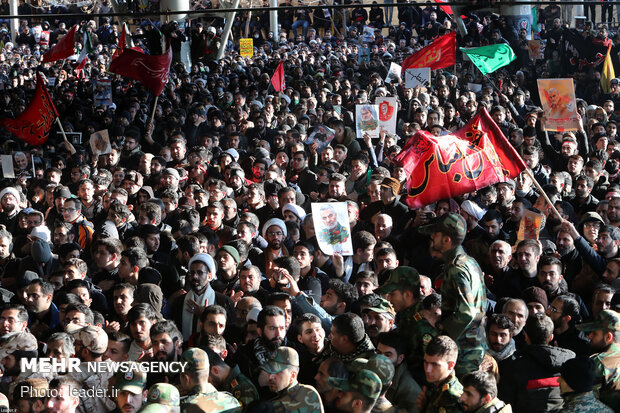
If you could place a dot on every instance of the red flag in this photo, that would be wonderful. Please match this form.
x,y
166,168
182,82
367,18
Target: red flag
x,y
151,70
437,55
277,80
121,44
446,9
63,49
476,156
34,124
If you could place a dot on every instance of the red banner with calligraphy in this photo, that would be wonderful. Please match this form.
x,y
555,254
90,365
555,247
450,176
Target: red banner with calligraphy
x,y
151,70
437,55
35,123
440,167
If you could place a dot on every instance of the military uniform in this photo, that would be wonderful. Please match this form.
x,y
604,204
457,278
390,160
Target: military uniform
x,y
444,398
240,387
607,363
298,398
584,403
335,235
162,398
421,332
463,295
203,402
363,381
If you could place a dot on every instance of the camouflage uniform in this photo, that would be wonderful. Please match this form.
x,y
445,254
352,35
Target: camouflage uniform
x,y
298,398
240,387
382,367
444,398
363,381
205,398
162,398
584,403
335,235
607,363
463,295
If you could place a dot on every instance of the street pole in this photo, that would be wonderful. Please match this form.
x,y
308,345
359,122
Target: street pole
x,y
273,19
14,22
230,18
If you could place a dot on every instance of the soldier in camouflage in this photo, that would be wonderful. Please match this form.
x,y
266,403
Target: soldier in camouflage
x,y
230,379
384,369
403,290
130,389
162,398
463,291
360,391
604,334
283,368
200,395
444,391
576,379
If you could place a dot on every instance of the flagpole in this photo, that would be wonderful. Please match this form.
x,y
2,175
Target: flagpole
x,y
61,129
543,193
154,108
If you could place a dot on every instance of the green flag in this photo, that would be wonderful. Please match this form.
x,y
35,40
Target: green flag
x,y
490,58
535,27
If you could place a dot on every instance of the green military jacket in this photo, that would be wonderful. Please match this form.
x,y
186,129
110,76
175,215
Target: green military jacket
x,y
444,398
404,390
298,398
418,331
607,370
198,401
333,236
463,306
240,387
584,403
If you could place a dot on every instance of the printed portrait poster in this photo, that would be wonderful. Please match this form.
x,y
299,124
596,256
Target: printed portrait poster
x,y
363,55
534,49
331,225
102,92
417,77
367,120
557,97
394,73
388,109
100,142
322,136
530,225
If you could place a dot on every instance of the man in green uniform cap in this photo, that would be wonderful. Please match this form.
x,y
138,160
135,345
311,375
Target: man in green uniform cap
x,y
382,367
463,292
201,395
402,289
605,338
230,379
360,391
283,368
162,398
444,390
131,390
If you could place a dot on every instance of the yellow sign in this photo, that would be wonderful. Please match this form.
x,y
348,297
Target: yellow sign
x,y
247,47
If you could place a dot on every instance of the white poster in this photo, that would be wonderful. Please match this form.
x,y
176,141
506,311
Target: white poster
x,y
388,109
367,120
418,77
394,73
331,225
7,166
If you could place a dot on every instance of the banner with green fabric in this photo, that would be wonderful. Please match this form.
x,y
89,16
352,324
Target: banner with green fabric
x,y
490,58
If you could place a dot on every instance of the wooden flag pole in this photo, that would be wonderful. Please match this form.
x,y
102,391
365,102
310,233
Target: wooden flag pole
x,y
543,193
154,108
62,130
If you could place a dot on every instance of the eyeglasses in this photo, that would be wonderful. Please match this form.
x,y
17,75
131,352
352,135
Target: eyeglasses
x,y
198,273
67,209
275,234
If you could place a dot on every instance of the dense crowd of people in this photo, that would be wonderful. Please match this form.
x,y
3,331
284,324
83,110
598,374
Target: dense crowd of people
x,y
192,241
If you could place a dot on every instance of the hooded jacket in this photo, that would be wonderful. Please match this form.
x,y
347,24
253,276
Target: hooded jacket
x,y
530,379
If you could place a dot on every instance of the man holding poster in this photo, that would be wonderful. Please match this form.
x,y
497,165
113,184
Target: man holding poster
x,y
557,97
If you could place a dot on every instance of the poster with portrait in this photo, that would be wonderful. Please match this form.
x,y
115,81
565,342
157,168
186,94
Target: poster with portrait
x,y
388,109
100,142
394,73
332,229
363,55
367,120
322,136
102,92
533,47
557,97
417,77
530,225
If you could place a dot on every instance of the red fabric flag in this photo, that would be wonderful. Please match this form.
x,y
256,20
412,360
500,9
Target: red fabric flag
x,y
63,49
34,124
277,80
121,44
437,55
446,9
476,156
151,70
